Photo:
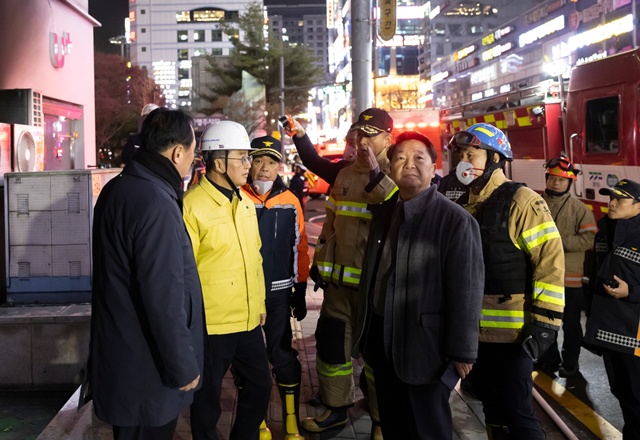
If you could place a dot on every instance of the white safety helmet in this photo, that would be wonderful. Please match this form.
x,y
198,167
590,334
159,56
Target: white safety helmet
x,y
148,109
225,135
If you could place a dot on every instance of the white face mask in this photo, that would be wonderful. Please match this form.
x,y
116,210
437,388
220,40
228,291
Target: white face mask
x,y
466,173
262,187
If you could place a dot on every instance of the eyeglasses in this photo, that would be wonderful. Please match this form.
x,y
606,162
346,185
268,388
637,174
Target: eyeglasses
x,y
246,160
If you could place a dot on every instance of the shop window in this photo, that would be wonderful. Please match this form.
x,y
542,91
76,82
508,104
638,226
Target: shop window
x,y
198,36
216,51
183,54
602,124
183,36
231,15
216,35
183,73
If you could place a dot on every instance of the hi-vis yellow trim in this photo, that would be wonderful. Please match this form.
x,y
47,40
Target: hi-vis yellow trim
x,y
502,318
548,293
353,209
393,191
368,372
332,370
539,235
331,204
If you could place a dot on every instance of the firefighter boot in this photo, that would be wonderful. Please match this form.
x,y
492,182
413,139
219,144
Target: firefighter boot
x,y
497,432
290,396
265,433
330,418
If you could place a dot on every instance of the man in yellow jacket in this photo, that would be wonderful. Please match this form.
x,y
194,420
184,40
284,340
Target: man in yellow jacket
x,y
223,227
524,282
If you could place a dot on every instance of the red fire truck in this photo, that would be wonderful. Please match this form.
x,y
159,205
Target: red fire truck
x,y
595,122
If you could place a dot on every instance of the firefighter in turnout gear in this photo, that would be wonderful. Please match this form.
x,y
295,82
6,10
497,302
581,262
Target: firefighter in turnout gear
x,y
613,327
339,256
524,282
577,229
285,260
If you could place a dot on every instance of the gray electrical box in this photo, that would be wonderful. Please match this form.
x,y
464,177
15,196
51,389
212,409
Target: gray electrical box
x,y
48,217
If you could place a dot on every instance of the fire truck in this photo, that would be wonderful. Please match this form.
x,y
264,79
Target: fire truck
x,y
595,122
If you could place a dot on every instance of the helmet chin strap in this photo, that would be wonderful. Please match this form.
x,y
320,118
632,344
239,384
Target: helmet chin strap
x,y
226,176
489,168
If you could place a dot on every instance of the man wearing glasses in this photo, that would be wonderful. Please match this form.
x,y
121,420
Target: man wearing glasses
x,y
223,227
523,290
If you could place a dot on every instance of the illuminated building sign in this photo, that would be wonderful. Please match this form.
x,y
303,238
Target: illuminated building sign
x,y
464,52
483,75
601,33
543,12
402,40
440,76
469,63
59,46
496,51
492,38
548,28
330,13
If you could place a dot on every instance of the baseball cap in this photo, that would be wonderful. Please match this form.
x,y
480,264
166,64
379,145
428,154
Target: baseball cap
x,y
625,189
374,121
266,146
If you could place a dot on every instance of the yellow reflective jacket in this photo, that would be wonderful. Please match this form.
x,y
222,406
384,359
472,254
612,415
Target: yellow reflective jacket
x,y
532,230
226,243
341,244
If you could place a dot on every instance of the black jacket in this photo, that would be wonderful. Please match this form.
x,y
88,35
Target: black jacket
x,y
147,315
433,303
317,164
614,324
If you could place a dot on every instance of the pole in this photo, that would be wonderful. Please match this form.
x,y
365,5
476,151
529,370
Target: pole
x,y
361,55
282,110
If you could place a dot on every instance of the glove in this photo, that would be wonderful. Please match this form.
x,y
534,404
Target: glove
x,y
314,274
537,340
298,302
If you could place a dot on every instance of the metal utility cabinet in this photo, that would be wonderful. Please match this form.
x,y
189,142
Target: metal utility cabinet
x,y
48,218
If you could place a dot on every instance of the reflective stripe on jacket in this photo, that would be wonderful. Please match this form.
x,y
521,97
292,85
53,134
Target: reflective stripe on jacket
x,y
532,231
341,244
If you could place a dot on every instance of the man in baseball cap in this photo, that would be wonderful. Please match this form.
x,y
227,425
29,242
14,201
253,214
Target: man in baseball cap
x,y
625,189
374,121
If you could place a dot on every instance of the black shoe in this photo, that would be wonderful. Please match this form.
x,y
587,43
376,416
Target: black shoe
x,y
331,418
568,371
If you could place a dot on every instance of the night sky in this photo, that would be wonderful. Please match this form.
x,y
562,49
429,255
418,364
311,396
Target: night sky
x,y
111,14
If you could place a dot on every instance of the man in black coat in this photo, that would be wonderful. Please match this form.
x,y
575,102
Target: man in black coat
x,y
422,285
147,315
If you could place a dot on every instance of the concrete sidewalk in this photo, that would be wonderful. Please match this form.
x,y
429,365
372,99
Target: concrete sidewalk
x,y
73,424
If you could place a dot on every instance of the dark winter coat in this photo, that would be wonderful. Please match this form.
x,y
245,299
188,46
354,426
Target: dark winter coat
x,y
147,315
433,302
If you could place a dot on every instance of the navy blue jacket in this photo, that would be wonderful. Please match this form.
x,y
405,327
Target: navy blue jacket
x,y
147,315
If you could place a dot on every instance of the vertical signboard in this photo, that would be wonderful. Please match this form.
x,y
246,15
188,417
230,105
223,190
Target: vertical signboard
x,y
387,19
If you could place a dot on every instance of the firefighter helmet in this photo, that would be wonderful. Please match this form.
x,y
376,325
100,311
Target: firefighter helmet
x,y
561,167
225,135
484,136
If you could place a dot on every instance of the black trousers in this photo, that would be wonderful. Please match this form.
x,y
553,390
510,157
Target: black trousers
x,y
246,352
623,371
501,378
164,432
282,356
406,411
